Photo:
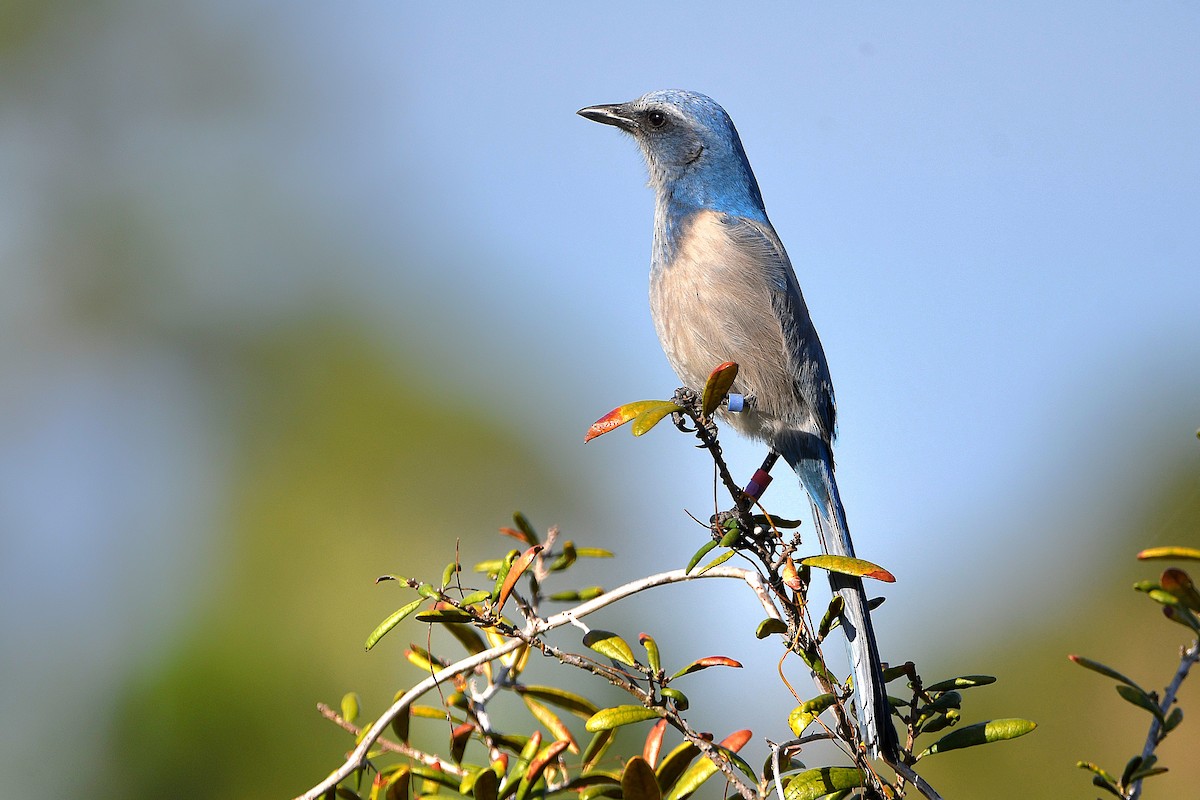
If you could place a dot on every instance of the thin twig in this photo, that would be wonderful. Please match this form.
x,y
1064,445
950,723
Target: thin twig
x,y
916,780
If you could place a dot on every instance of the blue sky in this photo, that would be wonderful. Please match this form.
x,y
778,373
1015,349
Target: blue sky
x,y
992,211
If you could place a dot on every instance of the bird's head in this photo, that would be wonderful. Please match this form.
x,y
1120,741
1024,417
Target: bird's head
x,y
692,149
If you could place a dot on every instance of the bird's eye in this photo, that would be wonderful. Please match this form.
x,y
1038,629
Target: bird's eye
x,y
656,119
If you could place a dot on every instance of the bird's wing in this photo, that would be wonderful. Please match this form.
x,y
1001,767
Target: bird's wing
x,y
804,355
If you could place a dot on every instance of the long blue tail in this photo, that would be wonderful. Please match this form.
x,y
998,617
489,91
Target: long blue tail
x,y
870,696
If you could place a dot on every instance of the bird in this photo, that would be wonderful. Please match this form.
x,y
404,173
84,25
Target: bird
x,y
722,288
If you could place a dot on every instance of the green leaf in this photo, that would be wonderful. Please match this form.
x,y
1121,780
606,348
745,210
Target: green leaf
x,y
1098,770
1106,671
803,715
1182,616
832,616
638,781
677,697
523,524
702,770
1100,778
398,784
574,595
475,597
732,534
537,766
650,417
692,779
566,559
1141,699
467,637
615,717
961,682
596,748
1176,553
1173,719
996,730
719,382
850,566
607,643
820,782
653,659
699,554
568,701
676,761
350,706
486,786
769,626
392,621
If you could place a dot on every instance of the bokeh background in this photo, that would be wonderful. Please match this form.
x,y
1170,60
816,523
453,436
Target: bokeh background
x,y
297,294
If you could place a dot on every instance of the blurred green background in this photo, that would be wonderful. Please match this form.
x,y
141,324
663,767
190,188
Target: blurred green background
x,y
294,295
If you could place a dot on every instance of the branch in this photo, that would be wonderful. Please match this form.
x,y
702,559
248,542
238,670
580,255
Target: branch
x,y
1190,657
358,756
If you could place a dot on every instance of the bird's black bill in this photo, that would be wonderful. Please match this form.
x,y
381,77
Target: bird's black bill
x,y
615,114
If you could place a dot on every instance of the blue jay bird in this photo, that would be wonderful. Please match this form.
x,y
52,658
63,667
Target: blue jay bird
x,y
722,289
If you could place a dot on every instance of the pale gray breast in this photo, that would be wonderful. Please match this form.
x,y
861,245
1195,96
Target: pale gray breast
x,y
714,303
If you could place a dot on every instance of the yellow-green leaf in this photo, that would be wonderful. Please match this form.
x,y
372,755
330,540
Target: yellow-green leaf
x,y
607,643
652,654
1178,553
996,730
816,783
850,566
718,561
392,621
552,723
593,552
615,717
350,706
803,715
650,417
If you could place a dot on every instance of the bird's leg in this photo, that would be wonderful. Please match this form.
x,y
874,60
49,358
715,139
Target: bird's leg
x,y
688,398
762,478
